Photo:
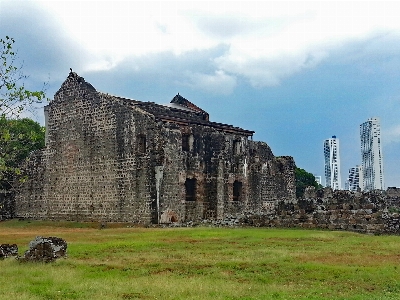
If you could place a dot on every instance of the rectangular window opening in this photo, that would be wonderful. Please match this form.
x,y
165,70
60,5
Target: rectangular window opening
x,y
237,191
190,186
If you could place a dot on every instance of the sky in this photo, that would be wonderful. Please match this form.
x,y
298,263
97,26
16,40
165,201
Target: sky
x,y
296,73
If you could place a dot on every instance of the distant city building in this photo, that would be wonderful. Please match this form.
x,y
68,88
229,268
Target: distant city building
x,y
361,177
353,181
347,185
318,179
332,163
371,155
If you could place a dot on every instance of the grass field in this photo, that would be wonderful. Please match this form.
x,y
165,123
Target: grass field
x,y
201,263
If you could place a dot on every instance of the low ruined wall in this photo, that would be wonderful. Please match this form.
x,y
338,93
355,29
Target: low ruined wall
x,y
376,212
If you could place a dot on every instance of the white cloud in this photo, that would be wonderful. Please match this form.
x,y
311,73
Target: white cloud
x,y
269,70
267,41
218,83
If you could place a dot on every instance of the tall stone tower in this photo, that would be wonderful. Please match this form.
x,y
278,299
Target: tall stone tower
x,y
371,155
332,163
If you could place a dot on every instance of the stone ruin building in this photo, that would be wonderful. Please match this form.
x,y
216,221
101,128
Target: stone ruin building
x,y
111,159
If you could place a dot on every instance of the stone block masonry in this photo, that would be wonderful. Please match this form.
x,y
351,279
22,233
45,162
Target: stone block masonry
x,y
7,205
376,212
111,159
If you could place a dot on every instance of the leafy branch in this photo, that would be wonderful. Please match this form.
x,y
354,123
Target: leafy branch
x,y
14,97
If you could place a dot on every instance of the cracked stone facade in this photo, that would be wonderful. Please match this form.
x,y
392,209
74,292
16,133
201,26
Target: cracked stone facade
x,y
112,159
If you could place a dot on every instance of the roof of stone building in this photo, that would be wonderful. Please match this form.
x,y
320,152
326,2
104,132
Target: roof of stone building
x,y
178,99
180,111
185,116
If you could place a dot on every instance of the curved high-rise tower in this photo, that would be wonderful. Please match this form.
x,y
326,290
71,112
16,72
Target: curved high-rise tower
x,y
332,163
371,155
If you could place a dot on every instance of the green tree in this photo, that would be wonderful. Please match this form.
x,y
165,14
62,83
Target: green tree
x,y
303,180
19,137
14,97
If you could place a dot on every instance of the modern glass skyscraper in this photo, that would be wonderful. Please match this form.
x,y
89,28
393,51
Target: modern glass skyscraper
x,y
354,181
371,155
332,163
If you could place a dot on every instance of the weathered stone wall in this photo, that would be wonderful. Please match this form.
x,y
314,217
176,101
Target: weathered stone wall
x,y
35,205
216,164
93,166
7,205
112,159
375,212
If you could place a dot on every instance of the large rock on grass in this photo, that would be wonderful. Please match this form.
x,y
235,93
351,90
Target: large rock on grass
x,y
45,249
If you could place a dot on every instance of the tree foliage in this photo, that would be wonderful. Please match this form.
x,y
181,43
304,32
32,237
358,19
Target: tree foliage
x,y
303,180
14,97
18,138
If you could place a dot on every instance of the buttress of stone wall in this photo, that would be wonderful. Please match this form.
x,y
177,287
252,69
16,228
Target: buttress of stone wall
x,y
171,183
235,168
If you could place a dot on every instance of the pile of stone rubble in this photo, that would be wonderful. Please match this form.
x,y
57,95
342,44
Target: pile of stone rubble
x,y
41,249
